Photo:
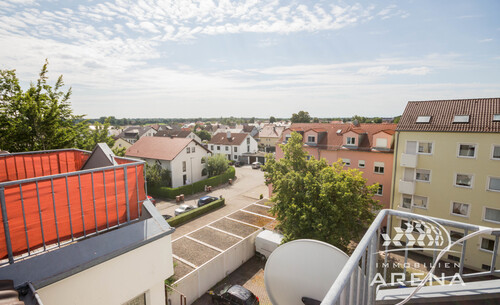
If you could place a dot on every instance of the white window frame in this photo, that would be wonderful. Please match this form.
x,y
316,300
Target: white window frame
x,y
348,141
467,157
463,186
188,150
359,163
488,184
193,149
287,137
381,146
227,148
423,119
459,118
379,165
430,175
313,139
484,214
348,163
493,151
420,207
212,147
235,149
402,200
424,153
460,215
481,245
461,243
496,117
381,187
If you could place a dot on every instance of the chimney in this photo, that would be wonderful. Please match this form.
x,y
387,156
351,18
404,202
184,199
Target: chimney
x,y
229,134
355,123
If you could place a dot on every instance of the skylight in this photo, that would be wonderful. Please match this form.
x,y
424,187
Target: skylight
x,y
496,118
339,131
423,119
461,119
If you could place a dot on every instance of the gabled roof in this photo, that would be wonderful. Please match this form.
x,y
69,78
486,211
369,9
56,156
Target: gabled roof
x,y
221,138
442,113
133,132
271,131
160,148
173,133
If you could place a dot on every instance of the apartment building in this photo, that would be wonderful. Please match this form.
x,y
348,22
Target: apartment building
x,y
367,147
447,165
78,229
235,146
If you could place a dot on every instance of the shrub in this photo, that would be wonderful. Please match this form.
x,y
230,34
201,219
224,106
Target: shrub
x,y
183,218
167,192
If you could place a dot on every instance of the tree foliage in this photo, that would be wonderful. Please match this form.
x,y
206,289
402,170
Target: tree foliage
x,y
301,117
158,176
203,134
217,165
39,118
317,201
272,119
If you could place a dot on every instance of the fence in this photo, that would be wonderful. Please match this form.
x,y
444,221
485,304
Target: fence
x,y
46,201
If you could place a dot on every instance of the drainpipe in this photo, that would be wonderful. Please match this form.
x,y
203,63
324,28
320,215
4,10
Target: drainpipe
x,y
395,165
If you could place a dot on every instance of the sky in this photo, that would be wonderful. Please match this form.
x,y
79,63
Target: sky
x,y
249,58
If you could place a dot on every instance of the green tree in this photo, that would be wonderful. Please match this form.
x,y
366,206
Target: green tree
x,y
315,120
203,134
301,117
318,201
377,120
272,119
157,176
217,164
396,119
40,118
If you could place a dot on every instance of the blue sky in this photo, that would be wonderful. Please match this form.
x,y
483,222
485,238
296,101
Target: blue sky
x,y
185,58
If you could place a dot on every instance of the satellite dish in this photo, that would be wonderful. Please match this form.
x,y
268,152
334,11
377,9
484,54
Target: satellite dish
x,y
303,268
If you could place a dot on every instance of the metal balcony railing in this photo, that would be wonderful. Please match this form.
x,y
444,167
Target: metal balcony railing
x,y
40,213
352,286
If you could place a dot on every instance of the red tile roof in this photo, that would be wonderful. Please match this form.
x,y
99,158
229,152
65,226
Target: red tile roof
x,y
221,138
442,112
160,148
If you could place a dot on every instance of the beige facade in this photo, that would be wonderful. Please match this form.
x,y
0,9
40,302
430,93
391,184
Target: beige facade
x,y
450,175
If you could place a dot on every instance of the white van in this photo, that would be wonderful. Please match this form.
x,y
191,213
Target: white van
x,y
266,242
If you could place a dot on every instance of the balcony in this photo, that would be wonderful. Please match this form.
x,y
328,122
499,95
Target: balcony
x,y
408,160
353,284
406,187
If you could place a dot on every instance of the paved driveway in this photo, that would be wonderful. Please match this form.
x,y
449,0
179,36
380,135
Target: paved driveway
x,y
247,187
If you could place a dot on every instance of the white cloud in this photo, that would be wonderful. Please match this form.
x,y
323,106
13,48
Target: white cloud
x,y
486,40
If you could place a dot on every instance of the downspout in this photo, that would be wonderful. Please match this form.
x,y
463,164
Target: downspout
x,y
394,167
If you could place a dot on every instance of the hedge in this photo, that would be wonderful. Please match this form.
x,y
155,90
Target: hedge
x,y
167,192
195,213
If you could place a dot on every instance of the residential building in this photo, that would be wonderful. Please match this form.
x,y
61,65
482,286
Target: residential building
x,y
184,158
121,143
133,133
366,147
236,146
178,133
78,229
447,165
269,136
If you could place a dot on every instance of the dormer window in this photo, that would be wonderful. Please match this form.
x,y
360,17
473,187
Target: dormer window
x,y
496,118
423,119
351,141
461,119
311,139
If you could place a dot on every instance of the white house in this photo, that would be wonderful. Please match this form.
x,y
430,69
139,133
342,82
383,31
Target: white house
x,y
133,133
233,145
178,133
185,158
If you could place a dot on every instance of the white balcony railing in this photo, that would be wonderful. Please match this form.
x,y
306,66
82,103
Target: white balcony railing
x,y
409,160
407,187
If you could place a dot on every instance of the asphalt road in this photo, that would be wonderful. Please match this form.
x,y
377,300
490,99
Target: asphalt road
x,y
246,189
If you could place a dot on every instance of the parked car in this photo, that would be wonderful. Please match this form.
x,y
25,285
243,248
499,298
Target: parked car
x,y
183,208
153,201
256,165
167,217
234,295
238,164
206,200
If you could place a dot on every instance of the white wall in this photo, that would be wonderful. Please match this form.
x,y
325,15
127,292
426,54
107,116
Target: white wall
x,y
241,149
194,166
116,281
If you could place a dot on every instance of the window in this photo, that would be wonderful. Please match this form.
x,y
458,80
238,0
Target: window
x,y
248,148
422,175
454,236
227,148
486,267
496,152
218,147
361,163
211,147
248,140
236,149
460,209
406,223
467,150
192,149
461,119
351,141
380,190
308,157
463,180
492,215
188,150
287,137
406,202
493,184
496,118
423,119
453,258
203,160
183,166
379,167
311,139
204,172
235,157
420,202
347,162
487,244
139,300
381,142
425,147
